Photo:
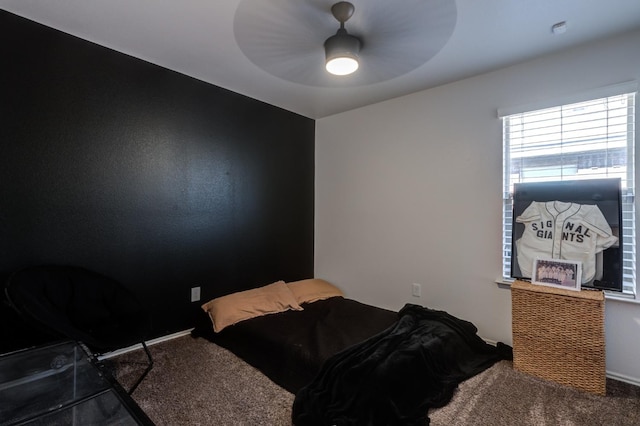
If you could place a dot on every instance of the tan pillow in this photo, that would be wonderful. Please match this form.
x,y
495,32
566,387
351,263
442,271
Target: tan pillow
x,y
312,289
233,308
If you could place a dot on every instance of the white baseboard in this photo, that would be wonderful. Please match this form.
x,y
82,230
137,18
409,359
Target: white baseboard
x,y
149,343
622,378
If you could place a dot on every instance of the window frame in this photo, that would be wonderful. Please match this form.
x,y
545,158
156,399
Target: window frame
x,y
630,89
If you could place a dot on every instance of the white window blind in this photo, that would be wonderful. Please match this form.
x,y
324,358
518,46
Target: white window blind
x,y
584,140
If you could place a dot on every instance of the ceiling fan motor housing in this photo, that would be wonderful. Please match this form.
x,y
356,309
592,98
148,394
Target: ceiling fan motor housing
x,y
342,44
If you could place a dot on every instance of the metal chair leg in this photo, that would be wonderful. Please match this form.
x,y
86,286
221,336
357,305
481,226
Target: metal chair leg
x,y
146,371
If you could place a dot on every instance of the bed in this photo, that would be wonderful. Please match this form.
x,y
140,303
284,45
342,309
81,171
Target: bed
x,y
291,346
346,361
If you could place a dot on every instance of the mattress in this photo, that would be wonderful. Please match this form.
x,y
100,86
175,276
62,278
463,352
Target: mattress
x,y
290,347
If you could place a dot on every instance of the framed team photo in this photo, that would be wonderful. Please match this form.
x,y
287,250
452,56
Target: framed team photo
x,y
558,273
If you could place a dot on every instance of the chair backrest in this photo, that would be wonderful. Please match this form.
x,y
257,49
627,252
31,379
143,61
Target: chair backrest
x,y
80,304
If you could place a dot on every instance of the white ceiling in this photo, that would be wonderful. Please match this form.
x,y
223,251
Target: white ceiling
x,y
196,38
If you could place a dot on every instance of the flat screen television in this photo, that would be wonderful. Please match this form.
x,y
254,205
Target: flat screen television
x,y
575,220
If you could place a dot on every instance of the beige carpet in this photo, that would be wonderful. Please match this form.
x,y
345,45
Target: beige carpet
x,y
503,396
195,382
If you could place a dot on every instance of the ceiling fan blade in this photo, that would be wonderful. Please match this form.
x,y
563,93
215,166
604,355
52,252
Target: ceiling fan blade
x,y
285,37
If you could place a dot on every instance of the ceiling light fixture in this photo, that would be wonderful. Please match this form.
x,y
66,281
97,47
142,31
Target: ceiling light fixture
x,y
342,49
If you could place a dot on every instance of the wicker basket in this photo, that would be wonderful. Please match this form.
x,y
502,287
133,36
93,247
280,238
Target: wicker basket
x,y
558,335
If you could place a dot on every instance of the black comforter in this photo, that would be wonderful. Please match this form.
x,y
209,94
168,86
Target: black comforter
x,y
396,376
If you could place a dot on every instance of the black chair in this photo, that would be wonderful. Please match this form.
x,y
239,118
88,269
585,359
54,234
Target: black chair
x,y
89,308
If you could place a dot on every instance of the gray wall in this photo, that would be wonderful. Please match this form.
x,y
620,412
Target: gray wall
x,y
409,191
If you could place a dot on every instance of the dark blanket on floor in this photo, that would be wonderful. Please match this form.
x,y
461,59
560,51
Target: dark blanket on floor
x,y
395,377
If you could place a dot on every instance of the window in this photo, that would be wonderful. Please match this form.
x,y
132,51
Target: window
x,y
584,140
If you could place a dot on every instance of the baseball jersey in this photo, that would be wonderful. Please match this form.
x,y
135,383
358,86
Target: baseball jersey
x,y
560,230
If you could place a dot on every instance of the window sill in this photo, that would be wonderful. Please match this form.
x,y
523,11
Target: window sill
x,y
621,297
609,295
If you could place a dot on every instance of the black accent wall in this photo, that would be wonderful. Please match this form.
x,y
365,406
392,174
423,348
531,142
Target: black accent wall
x,y
154,178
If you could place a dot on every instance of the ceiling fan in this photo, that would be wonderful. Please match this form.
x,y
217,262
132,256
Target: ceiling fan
x,y
295,40
342,49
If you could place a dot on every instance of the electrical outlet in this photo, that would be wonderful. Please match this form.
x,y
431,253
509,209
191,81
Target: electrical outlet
x,y
195,294
416,289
